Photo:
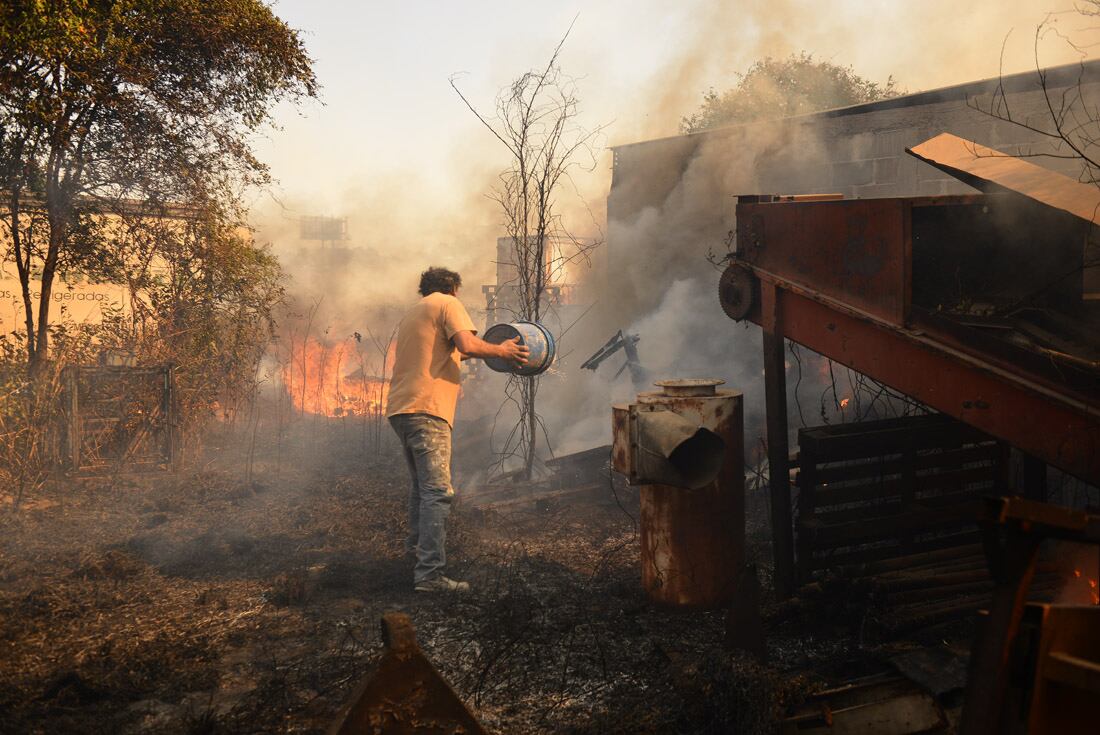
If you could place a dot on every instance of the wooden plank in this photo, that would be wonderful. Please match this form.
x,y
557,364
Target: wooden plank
x,y
928,489
926,559
929,579
956,481
823,560
926,432
878,466
930,594
991,170
828,431
876,496
75,425
861,531
966,503
1079,673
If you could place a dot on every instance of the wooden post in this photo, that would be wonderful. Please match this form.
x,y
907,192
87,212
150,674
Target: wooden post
x,y
75,438
775,396
167,404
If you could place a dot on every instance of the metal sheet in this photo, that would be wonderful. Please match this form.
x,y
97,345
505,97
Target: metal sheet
x,y
852,250
404,694
1038,421
990,170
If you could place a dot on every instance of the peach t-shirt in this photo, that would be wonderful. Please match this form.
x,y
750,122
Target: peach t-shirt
x,y
426,367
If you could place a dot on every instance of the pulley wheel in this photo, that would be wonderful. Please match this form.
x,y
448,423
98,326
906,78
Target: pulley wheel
x,y
735,291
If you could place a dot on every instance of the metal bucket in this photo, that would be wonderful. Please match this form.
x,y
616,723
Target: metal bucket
x,y
537,338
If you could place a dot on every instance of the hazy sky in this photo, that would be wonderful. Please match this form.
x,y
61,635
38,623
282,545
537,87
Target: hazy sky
x,y
389,137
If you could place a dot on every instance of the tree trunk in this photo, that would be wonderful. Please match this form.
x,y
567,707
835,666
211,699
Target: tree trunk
x,y
532,427
57,222
23,269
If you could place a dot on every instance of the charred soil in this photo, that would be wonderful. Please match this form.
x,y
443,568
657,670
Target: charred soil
x,y
198,602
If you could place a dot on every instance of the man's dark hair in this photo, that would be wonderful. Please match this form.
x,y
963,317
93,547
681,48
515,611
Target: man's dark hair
x,y
439,280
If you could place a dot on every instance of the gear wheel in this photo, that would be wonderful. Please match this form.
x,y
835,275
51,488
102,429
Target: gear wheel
x,y
736,291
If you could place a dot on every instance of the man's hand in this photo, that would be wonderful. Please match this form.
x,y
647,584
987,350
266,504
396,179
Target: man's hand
x,y
515,351
473,346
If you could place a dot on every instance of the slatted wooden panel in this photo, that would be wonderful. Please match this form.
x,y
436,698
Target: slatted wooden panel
x,y
882,489
116,415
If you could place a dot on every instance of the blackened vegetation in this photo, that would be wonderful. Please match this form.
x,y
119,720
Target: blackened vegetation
x,y
202,603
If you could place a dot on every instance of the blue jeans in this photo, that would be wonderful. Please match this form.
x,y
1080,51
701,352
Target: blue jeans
x,y
426,441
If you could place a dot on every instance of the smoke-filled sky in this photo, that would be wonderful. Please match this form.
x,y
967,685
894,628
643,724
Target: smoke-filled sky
x,y
391,145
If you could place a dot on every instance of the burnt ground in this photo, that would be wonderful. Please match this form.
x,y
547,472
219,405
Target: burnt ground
x,y
200,602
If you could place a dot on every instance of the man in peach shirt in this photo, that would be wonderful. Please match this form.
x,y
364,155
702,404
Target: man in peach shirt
x,y
433,336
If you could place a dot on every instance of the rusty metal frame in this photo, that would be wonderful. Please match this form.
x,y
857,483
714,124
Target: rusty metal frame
x,y
1059,429
404,693
835,276
1013,528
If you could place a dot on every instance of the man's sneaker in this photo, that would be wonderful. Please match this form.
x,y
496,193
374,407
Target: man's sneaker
x,y
441,584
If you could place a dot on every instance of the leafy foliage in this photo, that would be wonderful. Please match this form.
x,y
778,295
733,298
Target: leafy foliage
x,y
125,146
134,109
776,88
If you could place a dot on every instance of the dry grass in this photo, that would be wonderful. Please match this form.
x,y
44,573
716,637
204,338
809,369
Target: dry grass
x,y
201,603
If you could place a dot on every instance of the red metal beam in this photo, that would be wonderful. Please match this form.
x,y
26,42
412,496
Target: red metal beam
x,y
1052,427
779,481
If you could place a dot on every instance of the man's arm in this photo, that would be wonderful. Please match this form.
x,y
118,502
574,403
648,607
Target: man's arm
x,y
470,345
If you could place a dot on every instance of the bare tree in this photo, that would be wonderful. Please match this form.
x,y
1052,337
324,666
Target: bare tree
x,y
1067,125
535,120
1069,119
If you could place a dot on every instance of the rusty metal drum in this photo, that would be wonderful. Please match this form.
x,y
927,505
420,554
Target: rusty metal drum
x,y
537,338
692,534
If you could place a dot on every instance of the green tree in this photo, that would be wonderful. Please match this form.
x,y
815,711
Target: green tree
x,y
135,109
776,88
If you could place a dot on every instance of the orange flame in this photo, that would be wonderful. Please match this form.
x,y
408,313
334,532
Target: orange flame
x,y
844,403
1094,587
333,379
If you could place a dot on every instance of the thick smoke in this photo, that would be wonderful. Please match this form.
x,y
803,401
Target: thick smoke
x,y
658,282
661,284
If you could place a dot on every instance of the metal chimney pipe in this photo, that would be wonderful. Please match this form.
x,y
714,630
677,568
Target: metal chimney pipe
x,y
692,532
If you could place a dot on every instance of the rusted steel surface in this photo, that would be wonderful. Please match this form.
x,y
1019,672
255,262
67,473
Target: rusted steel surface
x,y
990,170
404,694
1014,528
693,541
775,399
859,250
1060,431
1066,660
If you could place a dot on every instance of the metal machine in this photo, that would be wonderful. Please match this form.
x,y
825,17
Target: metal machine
x,y
980,306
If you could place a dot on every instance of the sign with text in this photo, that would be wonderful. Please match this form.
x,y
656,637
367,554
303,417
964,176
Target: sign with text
x,y
82,303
